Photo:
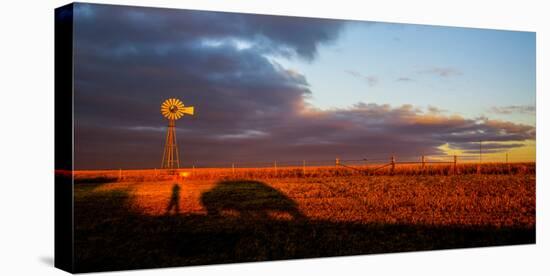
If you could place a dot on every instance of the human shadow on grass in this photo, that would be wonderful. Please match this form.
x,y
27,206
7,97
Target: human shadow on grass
x,y
246,222
174,204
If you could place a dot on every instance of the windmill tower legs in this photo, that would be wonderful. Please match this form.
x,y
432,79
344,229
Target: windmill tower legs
x,y
170,157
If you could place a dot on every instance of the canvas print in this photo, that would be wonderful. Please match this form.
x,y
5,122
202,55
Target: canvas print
x,y
188,137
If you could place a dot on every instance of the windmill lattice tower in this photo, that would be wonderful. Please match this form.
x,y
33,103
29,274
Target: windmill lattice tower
x,y
173,109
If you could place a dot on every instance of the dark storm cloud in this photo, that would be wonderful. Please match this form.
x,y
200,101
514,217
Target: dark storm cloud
x,y
248,107
125,29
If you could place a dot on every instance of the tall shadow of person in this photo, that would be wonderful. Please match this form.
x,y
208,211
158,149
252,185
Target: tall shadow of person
x,y
249,200
174,203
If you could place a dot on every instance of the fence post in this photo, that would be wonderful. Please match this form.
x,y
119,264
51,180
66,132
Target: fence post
x,y
193,170
275,165
233,167
392,160
304,167
508,164
119,174
337,161
156,174
423,163
454,165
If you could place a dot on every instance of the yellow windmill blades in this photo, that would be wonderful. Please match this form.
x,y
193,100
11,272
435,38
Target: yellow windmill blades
x,y
177,102
177,109
178,114
174,109
165,110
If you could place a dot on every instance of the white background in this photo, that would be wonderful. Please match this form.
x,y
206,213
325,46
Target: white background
x,y
27,123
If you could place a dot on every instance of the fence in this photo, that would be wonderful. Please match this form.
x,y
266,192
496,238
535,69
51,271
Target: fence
x,y
370,165
375,165
391,161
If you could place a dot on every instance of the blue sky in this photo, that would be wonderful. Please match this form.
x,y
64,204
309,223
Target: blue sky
x,y
461,70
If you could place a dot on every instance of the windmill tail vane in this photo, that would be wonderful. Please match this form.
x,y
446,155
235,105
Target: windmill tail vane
x,y
173,109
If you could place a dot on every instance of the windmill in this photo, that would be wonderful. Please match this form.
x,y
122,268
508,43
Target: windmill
x,y
173,109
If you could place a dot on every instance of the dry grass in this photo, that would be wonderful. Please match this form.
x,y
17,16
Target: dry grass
x,y
497,200
262,214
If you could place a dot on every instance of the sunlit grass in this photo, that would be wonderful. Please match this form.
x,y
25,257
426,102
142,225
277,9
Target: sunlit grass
x,y
439,197
259,214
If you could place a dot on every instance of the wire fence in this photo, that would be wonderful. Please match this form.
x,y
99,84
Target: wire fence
x,y
371,165
387,160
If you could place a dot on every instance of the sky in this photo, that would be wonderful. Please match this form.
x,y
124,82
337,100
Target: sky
x,y
275,88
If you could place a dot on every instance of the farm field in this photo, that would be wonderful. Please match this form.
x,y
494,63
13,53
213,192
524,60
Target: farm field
x,y
143,219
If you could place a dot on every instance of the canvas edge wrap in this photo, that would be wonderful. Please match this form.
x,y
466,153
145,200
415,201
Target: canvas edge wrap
x,y
64,219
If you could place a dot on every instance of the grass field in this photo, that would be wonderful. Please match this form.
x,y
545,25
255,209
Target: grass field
x,y
143,219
